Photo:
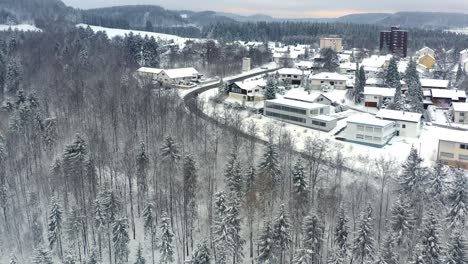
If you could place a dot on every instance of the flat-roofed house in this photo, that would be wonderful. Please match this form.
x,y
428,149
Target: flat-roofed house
x,y
434,84
369,130
407,124
328,81
445,97
152,73
179,76
295,75
378,96
453,148
460,113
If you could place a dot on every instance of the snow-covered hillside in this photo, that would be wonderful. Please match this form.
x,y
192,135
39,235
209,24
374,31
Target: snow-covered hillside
x,y
113,32
20,27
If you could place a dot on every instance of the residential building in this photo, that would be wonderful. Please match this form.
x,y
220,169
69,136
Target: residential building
x,y
300,113
378,96
292,74
464,59
147,72
407,124
375,64
395,40
426,51
445,97
434,84
333,42
348,68
179,76
453,148
369,130
427,61
460,113
326,81
248,90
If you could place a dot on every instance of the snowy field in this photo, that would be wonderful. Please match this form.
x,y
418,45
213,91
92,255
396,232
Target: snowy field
x,y
20,27
459,31
113,32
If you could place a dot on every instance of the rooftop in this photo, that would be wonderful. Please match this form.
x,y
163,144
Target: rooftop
x,y
329,76
181,72
149,70
434,83
455,136
291,71
448,93
387,92
399,115
324,118
248,85
366,119
296,104
301,95
460,107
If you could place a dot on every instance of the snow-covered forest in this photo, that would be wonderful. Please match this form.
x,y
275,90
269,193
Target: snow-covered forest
x,y
98,167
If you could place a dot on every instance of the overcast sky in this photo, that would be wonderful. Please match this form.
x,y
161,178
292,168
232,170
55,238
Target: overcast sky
x,y
291,8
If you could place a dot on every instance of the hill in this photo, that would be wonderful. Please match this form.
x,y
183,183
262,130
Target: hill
x,y
367,18
427,20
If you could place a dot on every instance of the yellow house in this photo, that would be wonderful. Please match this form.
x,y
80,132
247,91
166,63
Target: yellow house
x,y
427,60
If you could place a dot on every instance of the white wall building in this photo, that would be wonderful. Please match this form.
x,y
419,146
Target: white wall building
x,y
377,96
407,124
368,130
434,84
293,74
460,113
328,81
177,76
333,42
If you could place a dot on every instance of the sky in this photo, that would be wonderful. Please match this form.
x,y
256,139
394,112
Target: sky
x,y
291,8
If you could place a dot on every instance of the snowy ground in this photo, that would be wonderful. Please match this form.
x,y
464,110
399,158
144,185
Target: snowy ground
x,y
459,31
113,32
20,27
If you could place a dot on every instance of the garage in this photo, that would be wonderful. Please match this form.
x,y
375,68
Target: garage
x,y
371,104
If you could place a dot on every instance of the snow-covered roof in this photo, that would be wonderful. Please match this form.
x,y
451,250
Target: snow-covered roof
x,y
335,95
366,119
348,65
291,71
297,104
301,95
446,93
427,93
149,70
375,61
324,118
434,83
249,85
329,76
374,81
460,107
399,115
454,136
181,72
387,92
304,64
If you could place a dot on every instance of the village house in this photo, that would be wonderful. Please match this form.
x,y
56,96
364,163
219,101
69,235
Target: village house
x,y
427,58
434,84
147,72
349,68
464,59
326,81
333,42
445,97
369,130
407,124
375,64
294,75
453,148
460,113
378,96
247,90
178,76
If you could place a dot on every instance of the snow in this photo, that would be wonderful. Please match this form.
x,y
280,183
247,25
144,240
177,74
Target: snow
x,y
399,115
367,119
181,72
434,83
324,118
114,32
386,92
149,70
375,62
460,107
455,136
329,76
251,84
301,95
297,104
452,94
20,27
291,71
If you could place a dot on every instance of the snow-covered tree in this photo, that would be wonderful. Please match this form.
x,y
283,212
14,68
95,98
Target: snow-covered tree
x,y
431,248
363,244
233,175
93,258
142,165
330,59
267,245
166,248
13,259
55,226
42,256
139,255
437,181
393,78
120,240
342,235
388,254
415,92
402,221
201,254
281,232
412,178
359,84
149,225
302,256
13,76
269,170
270,89
313,230
458,200
457,249
69,259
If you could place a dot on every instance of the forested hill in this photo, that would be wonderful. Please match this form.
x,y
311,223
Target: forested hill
x,y
426,20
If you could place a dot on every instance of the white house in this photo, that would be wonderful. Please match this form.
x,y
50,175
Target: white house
x,y
177,76
408,124
293,74
248,90
369,130
348,68
299,113
445,97
375,64
152,73
327,81
434,84
460,112
377,96
323,122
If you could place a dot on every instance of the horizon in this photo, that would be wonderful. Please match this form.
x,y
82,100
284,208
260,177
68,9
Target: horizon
x,y
297,10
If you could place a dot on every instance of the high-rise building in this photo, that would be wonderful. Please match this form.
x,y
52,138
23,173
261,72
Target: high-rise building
x,y
333,42
396,40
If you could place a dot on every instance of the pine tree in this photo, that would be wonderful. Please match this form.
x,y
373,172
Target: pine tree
x,y
13,259
233,222
436,183
201,255
413,175
281,232
120,240
166,247
93,258
360,83
392,80
401,221
74,227
142,164
300,182
388,254
457,251
269,168
431,249
42,256
149,226
415,92
270,89
342,235
363,246
267,246
74,167
303,256
313,230
55,225
13,76
139,256
458,200
233,175
330,59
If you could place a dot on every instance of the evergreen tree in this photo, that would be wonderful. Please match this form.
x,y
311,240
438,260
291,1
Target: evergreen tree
x,y
93,258
267,246
415,92
431,249
120,240
436,183
270,89
201,255
457,251
55,225
233,175
74,167
392,80
166,247
269,167
303,256
281,232
139,256
300,187
363,246
359,84
13,259
142,164
13,76
42,256
330,59
388,254
413,175
69,259
313,230
342,235
149,225
458,200
401,221
460,74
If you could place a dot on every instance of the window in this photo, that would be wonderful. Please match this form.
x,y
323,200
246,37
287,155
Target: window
x,y
368,138
370,129
332,83
446,144
375,97
286,117
321,110
358,136
360,128
287,109
378,130
314,112
463,146
447,155
403,126
317,123
463,157
462,114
